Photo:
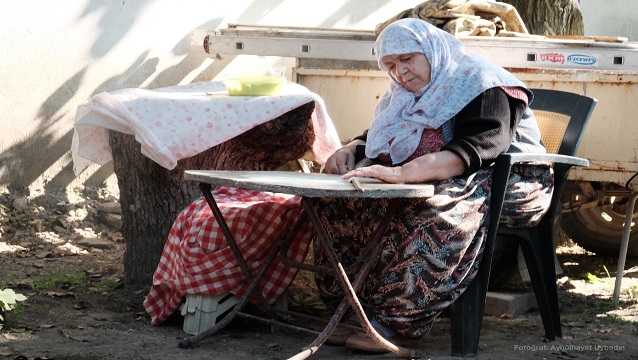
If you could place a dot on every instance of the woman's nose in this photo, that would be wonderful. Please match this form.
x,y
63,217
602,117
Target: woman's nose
x,y
401,69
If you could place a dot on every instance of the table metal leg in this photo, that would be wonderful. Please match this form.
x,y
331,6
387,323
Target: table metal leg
x,y
371,252
623,246
253,281
208,195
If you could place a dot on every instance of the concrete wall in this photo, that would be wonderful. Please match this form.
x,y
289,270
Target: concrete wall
x,y
611,18
56,55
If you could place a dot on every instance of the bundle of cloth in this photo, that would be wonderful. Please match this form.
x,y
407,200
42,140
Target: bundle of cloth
x,y
463,18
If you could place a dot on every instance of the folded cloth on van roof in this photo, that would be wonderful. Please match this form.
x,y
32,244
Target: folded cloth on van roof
x,y
466,18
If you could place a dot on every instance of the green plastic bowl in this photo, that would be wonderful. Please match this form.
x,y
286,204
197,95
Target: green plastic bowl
x,y
255,86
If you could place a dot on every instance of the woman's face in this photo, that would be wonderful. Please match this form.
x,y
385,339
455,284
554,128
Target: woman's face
x,y
411,70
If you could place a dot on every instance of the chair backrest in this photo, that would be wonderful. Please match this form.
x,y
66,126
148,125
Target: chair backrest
x,y
552,126
562,117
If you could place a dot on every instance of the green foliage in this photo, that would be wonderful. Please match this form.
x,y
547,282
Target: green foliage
x,y
306,304
144,318
591,277
9,301
53,280
607,271
106,285
9,298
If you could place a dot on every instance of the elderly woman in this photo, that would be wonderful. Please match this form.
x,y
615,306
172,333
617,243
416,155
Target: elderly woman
x,y
445,118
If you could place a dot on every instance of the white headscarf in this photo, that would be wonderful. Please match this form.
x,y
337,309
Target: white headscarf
x,y
457,78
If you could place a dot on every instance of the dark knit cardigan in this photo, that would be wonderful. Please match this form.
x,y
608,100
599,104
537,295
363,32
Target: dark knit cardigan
x,y
489,125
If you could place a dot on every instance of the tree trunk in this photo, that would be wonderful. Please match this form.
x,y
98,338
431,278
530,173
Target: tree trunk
x,y
152,196
550,17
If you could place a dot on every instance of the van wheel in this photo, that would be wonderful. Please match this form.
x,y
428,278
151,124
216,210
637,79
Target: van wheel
x,y
600,229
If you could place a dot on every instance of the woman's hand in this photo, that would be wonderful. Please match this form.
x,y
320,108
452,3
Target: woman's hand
x,y
393,175
343,159
340,162
429,167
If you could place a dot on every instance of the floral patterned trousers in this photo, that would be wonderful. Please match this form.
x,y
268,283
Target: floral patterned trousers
x,y
431,249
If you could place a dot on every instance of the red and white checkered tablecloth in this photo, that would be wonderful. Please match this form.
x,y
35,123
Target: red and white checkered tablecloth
x,y
197,260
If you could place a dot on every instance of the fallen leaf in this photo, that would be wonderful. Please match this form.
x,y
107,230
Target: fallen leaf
x,y
116,236
603,330
59,293
591,277
79,305
8,351
43,254
19,328
70,336
562,280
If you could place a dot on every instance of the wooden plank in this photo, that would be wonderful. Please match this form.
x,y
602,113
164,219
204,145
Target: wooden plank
x,y
308,184
302,28
297,32
610,39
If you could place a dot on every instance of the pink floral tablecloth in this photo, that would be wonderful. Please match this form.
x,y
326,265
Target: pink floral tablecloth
x,y
177,122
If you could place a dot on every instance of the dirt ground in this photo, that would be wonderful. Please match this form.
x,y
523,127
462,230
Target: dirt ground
x,y
63,251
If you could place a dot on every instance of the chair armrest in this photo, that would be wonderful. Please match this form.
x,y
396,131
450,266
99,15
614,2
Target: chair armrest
x,y
503,167
513,158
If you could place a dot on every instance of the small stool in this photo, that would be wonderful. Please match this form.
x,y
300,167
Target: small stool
x,y
203,311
